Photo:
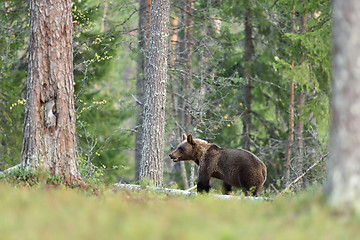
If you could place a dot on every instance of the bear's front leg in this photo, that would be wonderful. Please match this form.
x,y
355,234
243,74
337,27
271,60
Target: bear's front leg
x,y
201,187
204,180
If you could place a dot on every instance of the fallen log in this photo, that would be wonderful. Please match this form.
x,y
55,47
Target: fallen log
x,y
187,192
6,171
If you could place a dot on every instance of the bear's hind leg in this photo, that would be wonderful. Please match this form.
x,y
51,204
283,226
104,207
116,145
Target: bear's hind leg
x,y
258,190
253,191
226,188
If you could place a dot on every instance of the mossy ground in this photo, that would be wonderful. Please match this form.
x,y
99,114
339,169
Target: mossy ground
x,y
45,212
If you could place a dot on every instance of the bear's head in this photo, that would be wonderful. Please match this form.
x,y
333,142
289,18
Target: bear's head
x,y
186,150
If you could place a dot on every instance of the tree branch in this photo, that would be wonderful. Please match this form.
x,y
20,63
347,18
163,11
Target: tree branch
x,y
190,189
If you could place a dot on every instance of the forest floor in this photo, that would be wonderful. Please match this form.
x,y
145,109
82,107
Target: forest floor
x,y
44,212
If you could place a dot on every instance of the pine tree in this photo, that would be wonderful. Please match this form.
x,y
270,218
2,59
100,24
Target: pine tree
x,y
343,187
155,94
49,141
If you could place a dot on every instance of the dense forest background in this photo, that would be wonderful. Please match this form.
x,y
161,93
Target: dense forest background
x,y
249,73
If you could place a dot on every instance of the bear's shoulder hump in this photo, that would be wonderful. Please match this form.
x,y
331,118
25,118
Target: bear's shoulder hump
x,y
215,147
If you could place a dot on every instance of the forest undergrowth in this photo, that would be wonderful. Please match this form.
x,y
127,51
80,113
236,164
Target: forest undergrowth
x,y
46,211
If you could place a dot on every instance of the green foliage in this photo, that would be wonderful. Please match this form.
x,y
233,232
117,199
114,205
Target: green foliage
x,y
13,31
103,102
30,178
21,177
105,73
146,182
91,173
276,46
96,64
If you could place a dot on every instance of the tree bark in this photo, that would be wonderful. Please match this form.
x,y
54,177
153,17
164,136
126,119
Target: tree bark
x,y
299,131
188,79
291,115
291,132
49,140
177,133
299,153
249,49
188,73
155,94
174,40
184,61
103,19
144,31
343,188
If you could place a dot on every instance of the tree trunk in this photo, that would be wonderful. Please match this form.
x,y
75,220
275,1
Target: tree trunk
x,y
343,188
299,142
188,78
49,140
177,133
155,94
184,57
249,49
102,27
291,115
291,133
174,40
299,153
188,54
144,31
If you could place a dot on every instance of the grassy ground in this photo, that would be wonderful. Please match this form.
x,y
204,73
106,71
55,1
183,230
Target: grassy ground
x,y
41,213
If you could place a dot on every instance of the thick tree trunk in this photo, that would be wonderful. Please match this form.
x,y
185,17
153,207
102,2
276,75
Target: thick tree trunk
x,y
49,141
155,94
249,49
144,31
343,188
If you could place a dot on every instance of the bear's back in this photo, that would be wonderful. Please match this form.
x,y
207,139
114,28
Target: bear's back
x,y
237,156
231,159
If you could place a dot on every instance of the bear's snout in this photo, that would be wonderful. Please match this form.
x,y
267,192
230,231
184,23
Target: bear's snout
x,y
173,157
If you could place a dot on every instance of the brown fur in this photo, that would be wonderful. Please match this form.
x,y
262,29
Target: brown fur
x,y
236,167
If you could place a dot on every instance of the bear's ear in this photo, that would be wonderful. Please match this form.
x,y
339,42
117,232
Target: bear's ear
x,y
190,139
184,136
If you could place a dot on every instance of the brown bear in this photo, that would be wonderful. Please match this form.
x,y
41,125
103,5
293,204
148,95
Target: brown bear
x,y
236,167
